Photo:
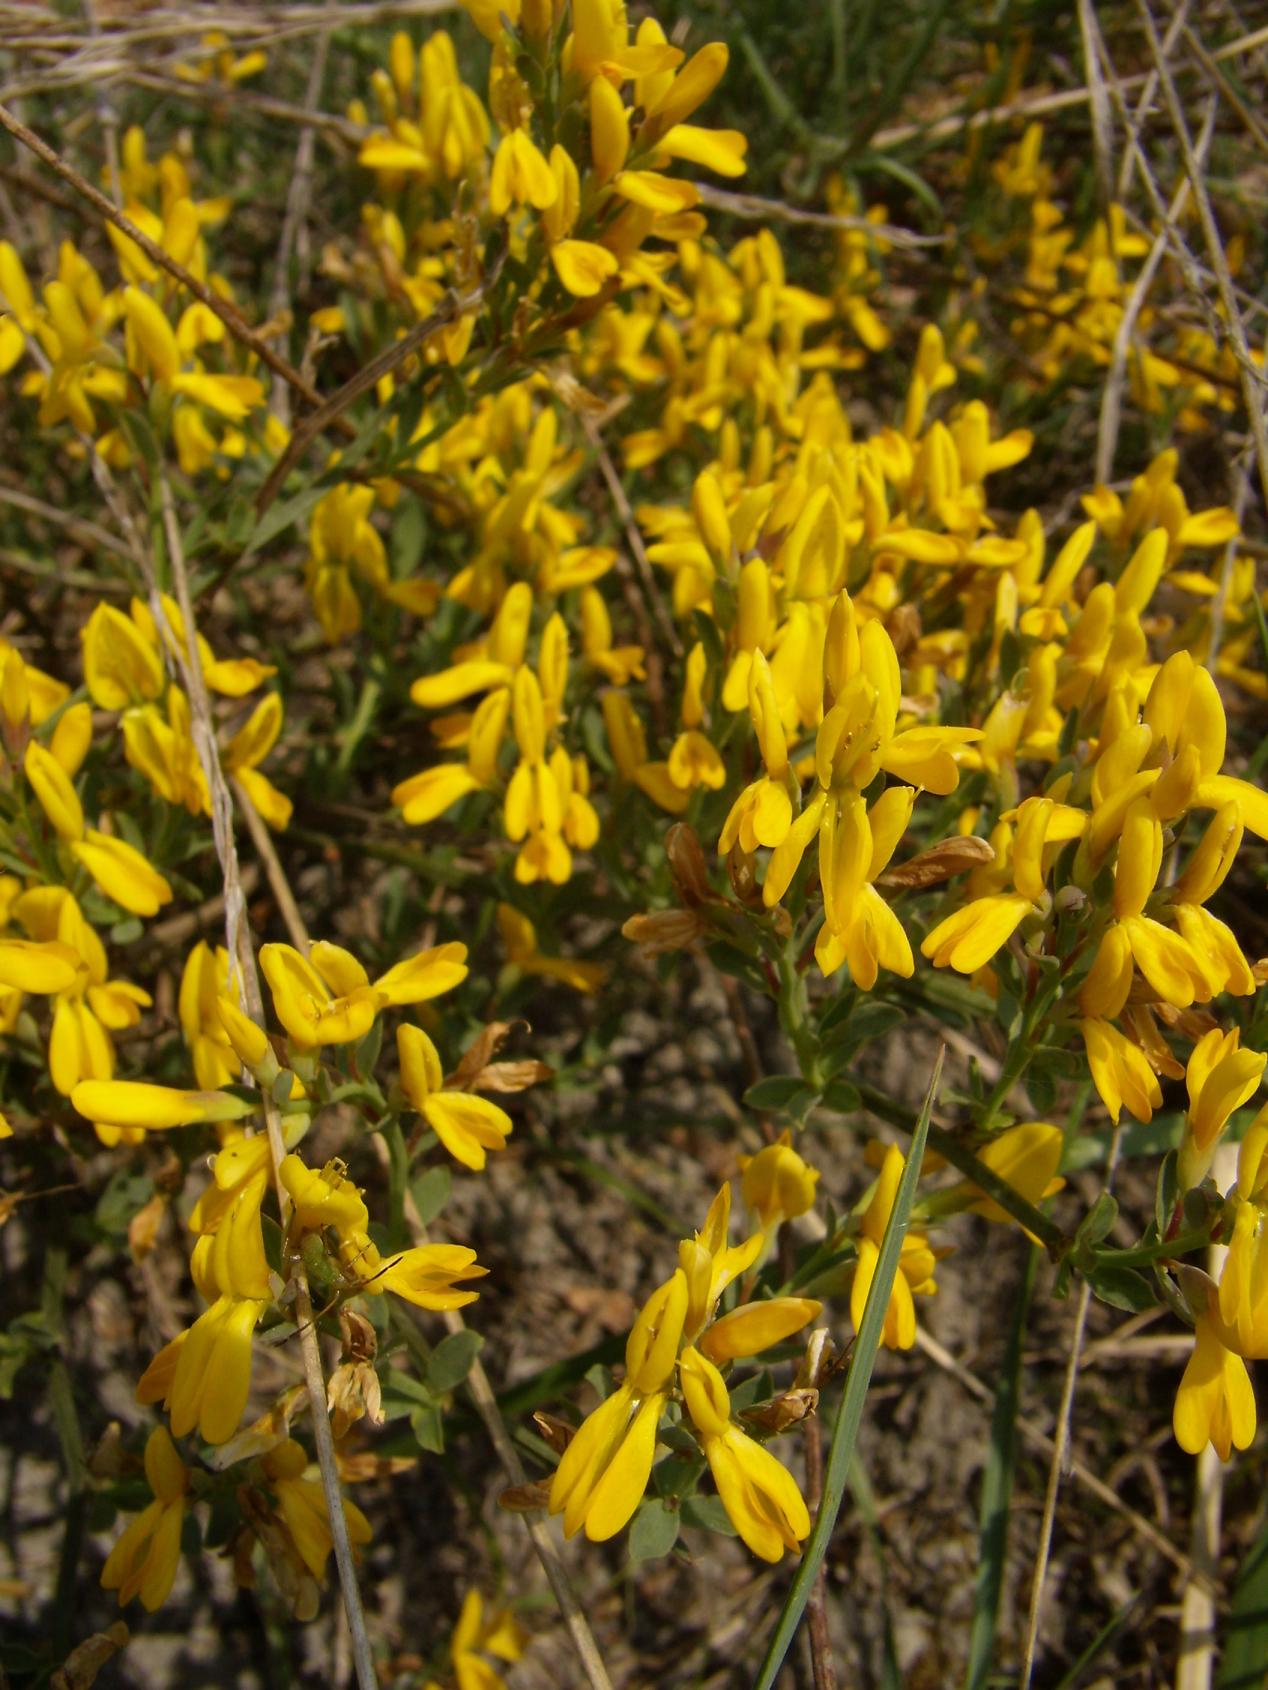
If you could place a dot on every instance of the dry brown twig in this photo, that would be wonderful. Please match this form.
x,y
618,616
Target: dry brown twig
x,y
228,314
1061,1464
477,1381
1143,1527
293,242
1116,375
1252,380
242,953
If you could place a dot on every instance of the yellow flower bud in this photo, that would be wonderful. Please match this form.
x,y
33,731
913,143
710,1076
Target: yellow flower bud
x,y
325,1197
135,1103
777,1184
123,873
652,1346
749,1330
51,785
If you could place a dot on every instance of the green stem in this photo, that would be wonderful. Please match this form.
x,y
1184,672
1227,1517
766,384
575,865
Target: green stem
x,y
1161,1249
398,1182
794,1017
961,1158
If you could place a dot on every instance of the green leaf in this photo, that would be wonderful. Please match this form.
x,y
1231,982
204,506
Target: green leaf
x,y
676,1475
428,1426
1098,1221
450,1362
369,1047
1122,1288
854,1397
778,1093
278,518
841,1096
708,1513
123,1198
431,1193
654,1531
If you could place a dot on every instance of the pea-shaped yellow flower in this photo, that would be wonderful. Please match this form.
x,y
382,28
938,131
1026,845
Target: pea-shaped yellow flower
x,y
143,1563
759,1494
467,1126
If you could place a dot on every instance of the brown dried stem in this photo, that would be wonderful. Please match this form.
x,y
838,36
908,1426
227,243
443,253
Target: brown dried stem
x,y
243,953
478,1385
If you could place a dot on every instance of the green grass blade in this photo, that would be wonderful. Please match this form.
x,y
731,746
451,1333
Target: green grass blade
x,y
853,1398
1101,1642
997,1490
1244,1662
962,1159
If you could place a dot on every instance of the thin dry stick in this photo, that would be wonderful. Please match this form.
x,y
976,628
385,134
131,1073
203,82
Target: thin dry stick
x,y
822,1665
279,885
241,948
1251,379
1102,124
79,528
757,209
1116,376
293,241
1196,1665
477,1381
254,23
1184,257
1036,105
228,314
279,111
1144,1528
623,509
1224,88
1144,104
1060,1464
329,412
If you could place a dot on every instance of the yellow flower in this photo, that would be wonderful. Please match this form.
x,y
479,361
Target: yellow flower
x,y
604,1471
204,978
324,998
467,1126
969,937
45,967
247,750
426,1275
135,1103
777,1183
1026,1157
1215,1403
1120,1071
211,1380
302,1502
749,1330
122,873
759,1494
710,1262
520,175
915,1266
51,785
144,1561
1221,1078
325,1197
583,266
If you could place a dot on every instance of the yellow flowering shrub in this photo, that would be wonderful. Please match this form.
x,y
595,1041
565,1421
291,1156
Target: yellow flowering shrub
x,y
559,585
